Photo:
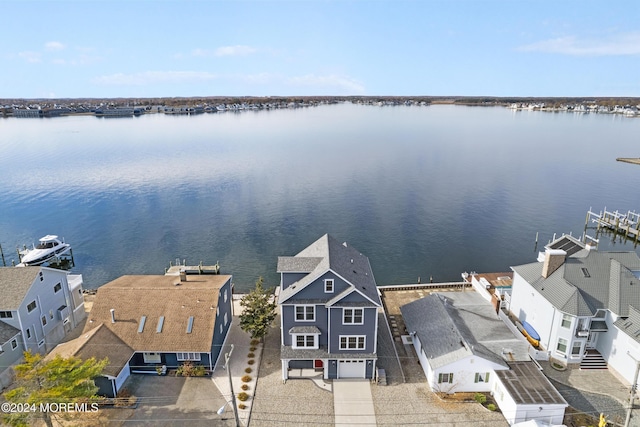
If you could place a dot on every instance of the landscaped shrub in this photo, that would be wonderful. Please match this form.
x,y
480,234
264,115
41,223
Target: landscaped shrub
x,y
187,369
246,379
248,370
245,387
252,348
491,407
251,355
255,342
242,396
251,361
480,398
242,406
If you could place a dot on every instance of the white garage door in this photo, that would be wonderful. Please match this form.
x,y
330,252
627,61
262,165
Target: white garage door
x,y
351,369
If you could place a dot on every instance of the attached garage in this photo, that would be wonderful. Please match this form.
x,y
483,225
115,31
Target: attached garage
x,y
351,369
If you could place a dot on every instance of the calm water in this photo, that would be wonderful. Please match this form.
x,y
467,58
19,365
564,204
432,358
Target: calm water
x,y
423,191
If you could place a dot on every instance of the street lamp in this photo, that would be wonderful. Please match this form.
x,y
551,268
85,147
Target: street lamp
x,y
227,367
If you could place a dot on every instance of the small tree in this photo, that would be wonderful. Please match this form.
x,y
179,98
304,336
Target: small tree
x,y
259,311
58,380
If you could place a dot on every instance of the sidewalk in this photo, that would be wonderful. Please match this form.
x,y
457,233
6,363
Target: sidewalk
x,y
240,341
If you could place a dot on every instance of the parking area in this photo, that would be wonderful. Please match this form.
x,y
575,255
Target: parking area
x,y
166,400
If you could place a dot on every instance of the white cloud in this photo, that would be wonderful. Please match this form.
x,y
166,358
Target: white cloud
x,y
345,84
54,46
618,45
31,57
234,50
151,77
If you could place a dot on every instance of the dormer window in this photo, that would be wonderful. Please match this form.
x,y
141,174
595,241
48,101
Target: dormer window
x,y
328,286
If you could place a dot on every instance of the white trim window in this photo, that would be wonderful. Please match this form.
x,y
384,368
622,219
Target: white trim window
x,y
481,377
150,357
304,341
445,378
352,316
305,313
328,286
561,348
182,357
566,321
576,349
353,342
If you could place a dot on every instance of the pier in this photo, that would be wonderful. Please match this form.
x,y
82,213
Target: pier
x,y
175,269
625,224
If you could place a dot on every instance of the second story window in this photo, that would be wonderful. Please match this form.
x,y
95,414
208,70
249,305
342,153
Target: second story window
x,y
305,313
566,321
32,306
352,316
328,286
57,288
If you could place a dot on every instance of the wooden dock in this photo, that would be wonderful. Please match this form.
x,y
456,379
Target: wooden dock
x,y
175,269
633,160
626,224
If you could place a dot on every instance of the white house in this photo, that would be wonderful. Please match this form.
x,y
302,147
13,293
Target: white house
x,y
464,346
584,305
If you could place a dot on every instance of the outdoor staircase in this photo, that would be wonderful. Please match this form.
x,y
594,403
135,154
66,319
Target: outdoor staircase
x,y
593,360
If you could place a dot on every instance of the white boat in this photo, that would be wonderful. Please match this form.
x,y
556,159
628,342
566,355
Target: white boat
x,y
48,248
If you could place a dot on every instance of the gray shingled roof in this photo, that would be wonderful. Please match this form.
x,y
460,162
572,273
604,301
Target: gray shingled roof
x,y
630,325
454,325
7,332
296,264
14,285
586,283
342,259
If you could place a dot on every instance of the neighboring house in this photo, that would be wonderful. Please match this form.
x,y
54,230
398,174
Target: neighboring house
x,y
464,346
461,341
584,304
148,322
39,306
328,311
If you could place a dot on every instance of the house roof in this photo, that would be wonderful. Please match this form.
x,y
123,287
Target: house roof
x,y
99,342
167,308
588,281
7,332
328,254
528,386
454,325
15,282
630,325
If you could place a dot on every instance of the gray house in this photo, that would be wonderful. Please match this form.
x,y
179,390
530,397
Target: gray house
x,y
328,311
39,306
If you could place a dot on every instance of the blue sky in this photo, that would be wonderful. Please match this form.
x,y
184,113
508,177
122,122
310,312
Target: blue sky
x,y
145,48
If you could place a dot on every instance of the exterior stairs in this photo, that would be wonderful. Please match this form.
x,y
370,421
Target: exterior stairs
x,y
593,360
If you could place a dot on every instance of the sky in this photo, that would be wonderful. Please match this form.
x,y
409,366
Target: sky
x,y
171,48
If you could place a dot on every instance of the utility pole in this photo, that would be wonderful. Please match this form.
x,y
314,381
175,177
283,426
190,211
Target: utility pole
x,y
633,390
227,356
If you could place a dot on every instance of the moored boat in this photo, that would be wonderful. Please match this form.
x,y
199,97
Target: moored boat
x,y
49,247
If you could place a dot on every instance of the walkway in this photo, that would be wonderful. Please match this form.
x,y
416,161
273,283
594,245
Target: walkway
x,y
353,403
239,362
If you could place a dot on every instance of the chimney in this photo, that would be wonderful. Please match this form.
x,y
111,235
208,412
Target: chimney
x,y
113,315
553,259
183,275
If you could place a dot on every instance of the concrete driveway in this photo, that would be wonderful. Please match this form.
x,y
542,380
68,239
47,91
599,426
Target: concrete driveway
x,y
169,401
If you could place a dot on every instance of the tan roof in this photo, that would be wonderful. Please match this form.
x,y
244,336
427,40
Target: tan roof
x,y
132,297
15,282
99,342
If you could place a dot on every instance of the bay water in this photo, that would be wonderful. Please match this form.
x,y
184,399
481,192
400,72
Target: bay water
x,y
427,192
